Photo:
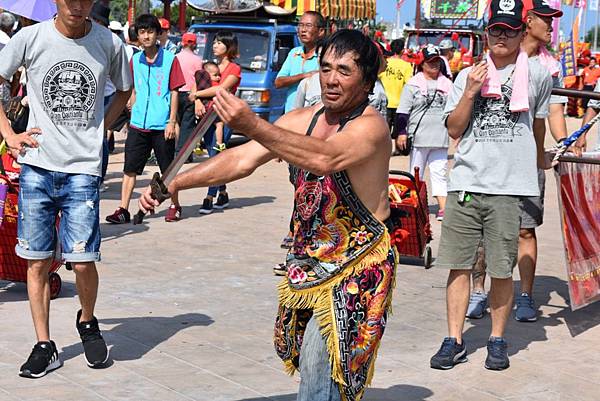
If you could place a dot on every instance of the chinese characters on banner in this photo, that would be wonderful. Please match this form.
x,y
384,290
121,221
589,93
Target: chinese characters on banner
x,y
453,9
567,58
579,200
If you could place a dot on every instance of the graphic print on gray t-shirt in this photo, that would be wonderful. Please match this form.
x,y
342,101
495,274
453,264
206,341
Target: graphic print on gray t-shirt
x,y
65,87
492,119
69,91
496,154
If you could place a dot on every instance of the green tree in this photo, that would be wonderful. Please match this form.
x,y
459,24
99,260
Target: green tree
x,y
189,13
589,36
119,9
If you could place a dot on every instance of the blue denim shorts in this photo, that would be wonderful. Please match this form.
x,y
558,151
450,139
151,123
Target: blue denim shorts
x,y
43,195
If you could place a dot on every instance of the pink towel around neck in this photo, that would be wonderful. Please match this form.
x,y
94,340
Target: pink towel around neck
x,y
492,87
548,61
443,84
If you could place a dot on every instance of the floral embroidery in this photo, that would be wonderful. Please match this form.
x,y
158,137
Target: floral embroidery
x,y
296,275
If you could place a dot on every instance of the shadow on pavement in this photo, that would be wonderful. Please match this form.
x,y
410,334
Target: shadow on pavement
x,y
111,232
240,203
520,335
404,392
12,291
146,332
191,211
578,321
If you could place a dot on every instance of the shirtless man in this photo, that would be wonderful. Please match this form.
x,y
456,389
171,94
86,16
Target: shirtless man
x,y
339,151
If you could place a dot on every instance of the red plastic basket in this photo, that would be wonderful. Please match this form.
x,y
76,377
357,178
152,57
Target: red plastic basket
x,y
12,267
413,218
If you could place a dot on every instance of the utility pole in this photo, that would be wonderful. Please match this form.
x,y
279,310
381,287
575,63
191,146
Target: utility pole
x,y
418,14
182,6
131,12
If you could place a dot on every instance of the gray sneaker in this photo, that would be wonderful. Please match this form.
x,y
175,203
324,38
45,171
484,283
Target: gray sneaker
x,y
526,311
478,303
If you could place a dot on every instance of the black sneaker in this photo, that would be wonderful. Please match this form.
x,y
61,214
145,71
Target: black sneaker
x,y
497,358
222,201
95,351
450,353
207,207
43,359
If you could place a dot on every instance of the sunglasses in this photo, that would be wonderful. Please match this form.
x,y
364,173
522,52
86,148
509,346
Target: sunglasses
x,y
497,31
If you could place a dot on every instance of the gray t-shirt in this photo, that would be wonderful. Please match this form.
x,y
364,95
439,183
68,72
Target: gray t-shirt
x,y
557,82
378,99
309,92
593,103
497,153
65,84
432,132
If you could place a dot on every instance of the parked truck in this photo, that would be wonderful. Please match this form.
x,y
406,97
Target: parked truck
x,y
265,38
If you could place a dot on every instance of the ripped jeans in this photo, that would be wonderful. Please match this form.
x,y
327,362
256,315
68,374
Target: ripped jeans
x,y
43,194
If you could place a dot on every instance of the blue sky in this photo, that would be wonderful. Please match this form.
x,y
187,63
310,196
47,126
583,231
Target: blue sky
x,y
387,10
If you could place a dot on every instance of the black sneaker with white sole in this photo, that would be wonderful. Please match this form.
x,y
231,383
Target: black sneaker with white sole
x,y
222,201
450,354
43,359
94,347
207,207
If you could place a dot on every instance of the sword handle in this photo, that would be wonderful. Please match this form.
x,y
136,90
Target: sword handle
x,y
158,191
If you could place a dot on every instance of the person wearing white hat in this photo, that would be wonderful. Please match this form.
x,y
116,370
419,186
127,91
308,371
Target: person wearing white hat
x,y
115,26
447,52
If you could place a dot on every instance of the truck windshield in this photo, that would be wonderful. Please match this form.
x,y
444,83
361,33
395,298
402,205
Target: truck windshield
x,y
424,38
253,47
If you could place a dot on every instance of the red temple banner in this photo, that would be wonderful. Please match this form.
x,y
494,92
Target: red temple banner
x,y
579,200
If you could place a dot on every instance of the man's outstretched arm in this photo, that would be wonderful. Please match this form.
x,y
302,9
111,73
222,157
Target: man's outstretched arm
x,y
361,140
231,165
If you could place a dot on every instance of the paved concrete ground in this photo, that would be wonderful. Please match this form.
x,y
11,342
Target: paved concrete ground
x,y
188,311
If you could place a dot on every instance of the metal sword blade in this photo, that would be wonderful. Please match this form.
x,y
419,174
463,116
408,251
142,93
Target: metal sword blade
x,y
160,184
188,147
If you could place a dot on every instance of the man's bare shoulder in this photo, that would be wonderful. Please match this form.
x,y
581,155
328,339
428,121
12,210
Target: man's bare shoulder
x,y
371,123
298,120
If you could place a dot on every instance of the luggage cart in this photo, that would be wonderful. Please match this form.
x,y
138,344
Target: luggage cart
x,y
413,216
12,267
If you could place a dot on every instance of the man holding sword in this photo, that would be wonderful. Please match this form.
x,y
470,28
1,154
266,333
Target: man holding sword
x,y
339,153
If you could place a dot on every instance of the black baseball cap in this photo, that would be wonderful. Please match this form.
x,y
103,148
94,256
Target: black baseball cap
x,y
542,8
508,13
100,13
430,52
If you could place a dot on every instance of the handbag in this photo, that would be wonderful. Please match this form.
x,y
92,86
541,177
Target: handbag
x,y
17,114
410,137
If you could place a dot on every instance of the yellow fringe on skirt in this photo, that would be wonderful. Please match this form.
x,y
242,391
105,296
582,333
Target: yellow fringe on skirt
x,y
320,300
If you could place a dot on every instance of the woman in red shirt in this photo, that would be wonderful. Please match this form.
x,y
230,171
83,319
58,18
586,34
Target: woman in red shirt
x,y
225,49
